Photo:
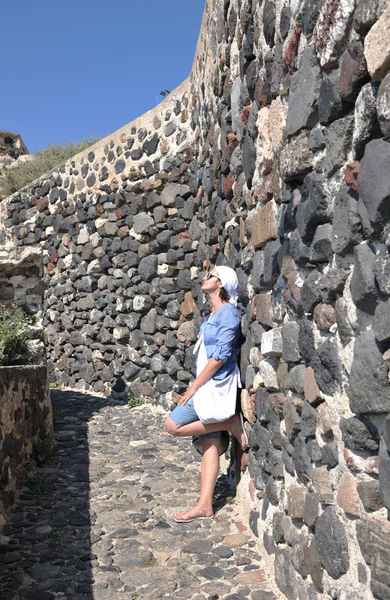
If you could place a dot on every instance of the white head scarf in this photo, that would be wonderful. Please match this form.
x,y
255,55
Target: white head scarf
x,y
229,281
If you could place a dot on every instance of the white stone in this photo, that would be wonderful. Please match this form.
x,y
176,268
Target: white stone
x,y
97,355
194,271
83,237
235,101
120,332
267,369
272,343
95,316
163,269
94,267
95,239
255,357
377,46
70,260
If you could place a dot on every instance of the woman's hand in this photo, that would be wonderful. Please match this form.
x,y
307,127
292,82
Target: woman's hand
x,y
187,395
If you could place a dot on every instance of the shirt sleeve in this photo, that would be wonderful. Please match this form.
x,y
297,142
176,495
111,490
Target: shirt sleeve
x,y
227,333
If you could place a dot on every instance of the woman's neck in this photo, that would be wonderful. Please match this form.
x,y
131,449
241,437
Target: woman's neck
x,y
216,302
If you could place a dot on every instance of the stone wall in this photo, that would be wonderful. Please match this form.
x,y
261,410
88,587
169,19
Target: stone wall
x,y
273,158
25,419
21,284
25,407
13,151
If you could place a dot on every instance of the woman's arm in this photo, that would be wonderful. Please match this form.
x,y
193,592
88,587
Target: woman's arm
x,y
210,369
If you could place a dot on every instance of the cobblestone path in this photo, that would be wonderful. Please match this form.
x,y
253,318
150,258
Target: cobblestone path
x,y
96,522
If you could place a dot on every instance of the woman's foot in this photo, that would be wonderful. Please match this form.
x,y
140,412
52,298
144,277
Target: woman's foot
x,y
237,429
196,512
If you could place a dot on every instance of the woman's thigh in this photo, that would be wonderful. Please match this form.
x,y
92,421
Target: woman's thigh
x,y
184,414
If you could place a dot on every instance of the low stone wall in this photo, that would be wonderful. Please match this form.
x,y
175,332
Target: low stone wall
x,y
25,418
25,407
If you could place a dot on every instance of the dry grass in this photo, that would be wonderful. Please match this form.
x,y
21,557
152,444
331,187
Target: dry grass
x,y
42,162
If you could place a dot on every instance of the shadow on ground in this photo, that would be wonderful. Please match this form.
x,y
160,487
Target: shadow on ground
x,y
45,549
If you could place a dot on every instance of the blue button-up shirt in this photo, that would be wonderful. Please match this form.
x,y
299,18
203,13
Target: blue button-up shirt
x,y
220,334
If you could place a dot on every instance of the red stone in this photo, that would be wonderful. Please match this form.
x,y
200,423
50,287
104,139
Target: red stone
x,y
146,185
232,140
165,147
290,53
351,173
241,527
62,362
54,256
189,157
265,192
123,232
42,204
182,238
245,114
263,309
324,316
276,402
228,187
244,461
250,577
50,268
188,305
260,97
353,73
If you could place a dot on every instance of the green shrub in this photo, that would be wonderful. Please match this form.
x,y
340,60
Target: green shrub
x,y
37,484
42,162
15,328
133,400
43,450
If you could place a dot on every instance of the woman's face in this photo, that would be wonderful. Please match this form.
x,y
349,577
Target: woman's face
x,y
211,282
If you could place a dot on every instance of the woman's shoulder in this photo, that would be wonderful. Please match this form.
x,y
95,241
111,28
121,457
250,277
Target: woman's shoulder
x,y
229,311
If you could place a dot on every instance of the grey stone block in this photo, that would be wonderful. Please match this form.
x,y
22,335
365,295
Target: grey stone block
x,y
374,182
369,386
304,92
359,434
363,289
290,338
384,473
332,543
370,495
374,540
381,324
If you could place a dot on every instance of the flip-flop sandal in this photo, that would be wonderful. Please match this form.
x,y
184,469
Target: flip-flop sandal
x,y
198,518
243,429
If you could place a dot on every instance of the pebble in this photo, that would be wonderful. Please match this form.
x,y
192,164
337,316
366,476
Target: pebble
x,y
97,520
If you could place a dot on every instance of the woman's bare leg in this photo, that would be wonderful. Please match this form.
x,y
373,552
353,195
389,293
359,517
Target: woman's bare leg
x,y
210,469
233,425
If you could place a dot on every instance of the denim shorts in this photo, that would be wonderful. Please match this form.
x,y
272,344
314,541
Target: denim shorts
x,y
184,414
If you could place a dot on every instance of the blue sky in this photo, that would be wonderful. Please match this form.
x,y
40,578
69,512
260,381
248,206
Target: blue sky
x,y
76,68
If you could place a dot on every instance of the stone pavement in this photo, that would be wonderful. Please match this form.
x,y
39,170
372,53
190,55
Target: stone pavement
x,y
95,522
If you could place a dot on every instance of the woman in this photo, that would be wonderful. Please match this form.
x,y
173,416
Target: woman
x,y
215,385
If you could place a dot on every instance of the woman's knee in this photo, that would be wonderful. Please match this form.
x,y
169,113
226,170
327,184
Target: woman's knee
x,y
171,427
